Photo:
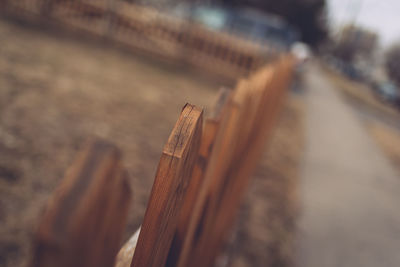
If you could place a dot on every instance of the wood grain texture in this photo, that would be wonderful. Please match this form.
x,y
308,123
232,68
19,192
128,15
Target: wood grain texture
x,y
85,218
210,129
238,146
227,142
219,161
172,178
239,174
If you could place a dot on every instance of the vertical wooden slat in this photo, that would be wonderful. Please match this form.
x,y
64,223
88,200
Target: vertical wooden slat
x,y
171,181
241,168
210,129
230,139
84,220
218,163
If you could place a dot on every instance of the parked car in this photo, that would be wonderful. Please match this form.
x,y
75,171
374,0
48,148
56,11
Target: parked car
x,y
389,92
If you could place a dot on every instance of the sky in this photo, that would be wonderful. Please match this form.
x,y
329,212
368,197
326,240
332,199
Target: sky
x,y
382,16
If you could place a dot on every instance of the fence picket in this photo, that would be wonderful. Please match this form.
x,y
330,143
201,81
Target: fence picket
x,y
238,175
83,223
171,181
210,129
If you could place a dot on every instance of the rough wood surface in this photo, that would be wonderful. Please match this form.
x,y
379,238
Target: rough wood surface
x,y
210,129
226,144
84,220
171,181
219,161
239,144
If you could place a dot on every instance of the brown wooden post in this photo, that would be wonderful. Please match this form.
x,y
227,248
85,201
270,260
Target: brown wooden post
x,y
218,163
230,140
239,174
172,178
210,129
84,220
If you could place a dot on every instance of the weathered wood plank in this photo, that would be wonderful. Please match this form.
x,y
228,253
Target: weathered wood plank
x,y
84,220
171,181
228,142
210,129
239,174
220,158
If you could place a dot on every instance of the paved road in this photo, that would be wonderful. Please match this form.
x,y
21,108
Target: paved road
x,y
350,193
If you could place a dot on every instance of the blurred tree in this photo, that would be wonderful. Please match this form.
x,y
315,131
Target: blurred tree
x,y
308,16
354,43
392,63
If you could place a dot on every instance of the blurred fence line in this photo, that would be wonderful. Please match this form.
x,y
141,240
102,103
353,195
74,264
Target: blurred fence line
x,y
150,30
202,175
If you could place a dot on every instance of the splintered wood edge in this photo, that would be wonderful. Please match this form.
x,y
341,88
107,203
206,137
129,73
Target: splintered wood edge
x,y
79,193
178,142
167,195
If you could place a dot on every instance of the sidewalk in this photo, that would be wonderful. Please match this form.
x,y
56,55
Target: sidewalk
x,y
350,193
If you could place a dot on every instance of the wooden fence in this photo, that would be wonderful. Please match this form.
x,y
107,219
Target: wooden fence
x,y
203,172
149,30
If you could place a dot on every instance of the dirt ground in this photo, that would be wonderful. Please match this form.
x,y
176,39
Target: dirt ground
x,y
57,91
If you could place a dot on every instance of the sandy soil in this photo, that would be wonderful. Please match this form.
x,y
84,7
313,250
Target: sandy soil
x,y
57,91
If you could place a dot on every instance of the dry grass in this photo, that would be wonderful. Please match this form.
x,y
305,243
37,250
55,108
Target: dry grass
x,y
363,99
360,94
56,91
389,140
